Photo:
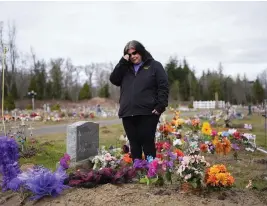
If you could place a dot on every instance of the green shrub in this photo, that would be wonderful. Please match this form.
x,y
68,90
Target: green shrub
x,y
29,107
9,103
55,107
190,106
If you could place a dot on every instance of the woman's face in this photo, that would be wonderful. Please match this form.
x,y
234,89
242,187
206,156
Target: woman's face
x,y
134,56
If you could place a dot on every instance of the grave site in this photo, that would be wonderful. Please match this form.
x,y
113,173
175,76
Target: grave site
x,y
199,162
70,72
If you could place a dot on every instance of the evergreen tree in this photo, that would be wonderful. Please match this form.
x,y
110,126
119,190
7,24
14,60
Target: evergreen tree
x,y
258,92
85,92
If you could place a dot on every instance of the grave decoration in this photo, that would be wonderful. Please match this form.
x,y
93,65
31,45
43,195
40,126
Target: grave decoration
x,y
181,147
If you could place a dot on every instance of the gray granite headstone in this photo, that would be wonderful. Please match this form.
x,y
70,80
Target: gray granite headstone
x,y
82,140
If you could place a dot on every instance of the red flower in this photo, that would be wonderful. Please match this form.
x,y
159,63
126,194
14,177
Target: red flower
x,y
237,135
160,156
159,146
166,146
204,147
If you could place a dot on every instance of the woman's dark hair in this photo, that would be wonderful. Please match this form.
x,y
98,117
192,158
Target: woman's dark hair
x,y
138,47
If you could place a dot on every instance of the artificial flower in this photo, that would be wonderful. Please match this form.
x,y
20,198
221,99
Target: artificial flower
x,y
127,158
217,176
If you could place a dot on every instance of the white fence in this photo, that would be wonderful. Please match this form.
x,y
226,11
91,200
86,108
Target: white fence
x,y
208,104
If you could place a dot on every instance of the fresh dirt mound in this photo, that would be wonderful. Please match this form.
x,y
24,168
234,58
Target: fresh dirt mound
x,y
136,194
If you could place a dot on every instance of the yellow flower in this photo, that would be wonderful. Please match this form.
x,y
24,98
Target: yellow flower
x,y
214,170
217,175
222,178
206,129
215,140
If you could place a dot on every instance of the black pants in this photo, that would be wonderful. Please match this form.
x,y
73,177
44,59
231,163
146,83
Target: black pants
x,y
140,131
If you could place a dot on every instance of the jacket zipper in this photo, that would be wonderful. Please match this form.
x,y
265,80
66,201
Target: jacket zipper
x,y
135,74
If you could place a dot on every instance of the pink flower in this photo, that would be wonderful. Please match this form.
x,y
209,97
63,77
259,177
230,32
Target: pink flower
x,y
166,146
213,133
108,157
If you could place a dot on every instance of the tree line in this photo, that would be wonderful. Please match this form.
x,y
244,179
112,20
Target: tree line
x,y
185,86
60,79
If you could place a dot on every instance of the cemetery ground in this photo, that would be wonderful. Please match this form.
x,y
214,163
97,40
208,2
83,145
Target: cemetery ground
x,y
249,166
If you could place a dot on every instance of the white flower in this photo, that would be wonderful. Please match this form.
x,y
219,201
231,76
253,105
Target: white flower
x,y
188,176
177,142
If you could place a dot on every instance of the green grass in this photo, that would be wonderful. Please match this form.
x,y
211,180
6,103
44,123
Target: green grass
x,y
258,128
244,169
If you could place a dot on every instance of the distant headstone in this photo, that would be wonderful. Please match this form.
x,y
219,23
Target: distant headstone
x,y
82,140
216,100
48,109
45,107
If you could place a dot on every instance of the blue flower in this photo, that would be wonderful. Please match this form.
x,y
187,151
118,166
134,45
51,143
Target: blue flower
x,y
149,159
225,134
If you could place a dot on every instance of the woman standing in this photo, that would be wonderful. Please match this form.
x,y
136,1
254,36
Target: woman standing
x,y
144,91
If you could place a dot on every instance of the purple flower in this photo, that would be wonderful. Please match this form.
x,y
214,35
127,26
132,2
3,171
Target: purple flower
x,y
152,172
43,182
140,164
169,164
9,154
64,161
14,184
235,147
172,155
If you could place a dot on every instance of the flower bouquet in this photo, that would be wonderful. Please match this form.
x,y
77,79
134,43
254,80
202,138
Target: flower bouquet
x,y
218,177
156,171
192,169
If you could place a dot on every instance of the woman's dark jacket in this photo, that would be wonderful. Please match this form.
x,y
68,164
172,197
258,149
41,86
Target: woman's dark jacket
x,y
144,91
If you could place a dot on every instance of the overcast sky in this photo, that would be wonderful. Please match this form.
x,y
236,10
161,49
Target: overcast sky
x,y
206,33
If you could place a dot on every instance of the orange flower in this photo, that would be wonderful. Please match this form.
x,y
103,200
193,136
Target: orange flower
x,y
219,148
230,179
166,128
211,180
174,123
226,146
221,168
204,147
217,175
179,153
127,158
194,122
222,146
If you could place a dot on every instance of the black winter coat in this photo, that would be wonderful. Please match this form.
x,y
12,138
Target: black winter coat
x,y
142,92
